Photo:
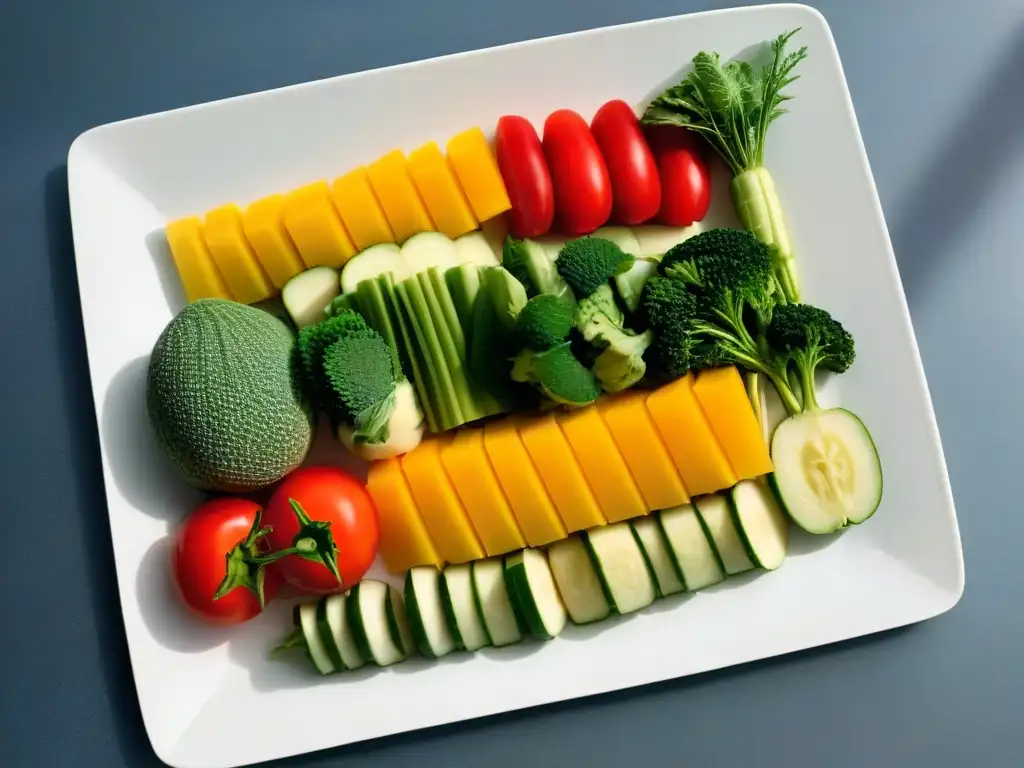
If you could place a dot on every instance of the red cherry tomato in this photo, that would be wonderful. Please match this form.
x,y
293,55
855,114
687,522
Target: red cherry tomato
x,y
685,178
212,536
526,176
335,510
636,188
583,189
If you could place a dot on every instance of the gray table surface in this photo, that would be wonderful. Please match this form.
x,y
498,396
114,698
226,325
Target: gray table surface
x,y
937,91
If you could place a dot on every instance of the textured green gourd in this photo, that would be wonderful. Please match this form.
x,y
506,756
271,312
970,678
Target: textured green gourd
x,y
222,398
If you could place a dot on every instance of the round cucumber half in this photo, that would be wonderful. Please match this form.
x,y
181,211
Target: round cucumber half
x,y
827,471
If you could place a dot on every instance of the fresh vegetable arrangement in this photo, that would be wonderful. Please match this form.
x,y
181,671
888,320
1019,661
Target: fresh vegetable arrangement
x,y
551,366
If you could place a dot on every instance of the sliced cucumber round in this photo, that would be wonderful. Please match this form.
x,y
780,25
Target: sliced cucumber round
x,y
827,471
473,248
621,566
659,558
323,626
306,620
460,608
716,517
429,249
577,581
307,295
382,259
377,627
492,601
341,634
532,589
763,527
426,616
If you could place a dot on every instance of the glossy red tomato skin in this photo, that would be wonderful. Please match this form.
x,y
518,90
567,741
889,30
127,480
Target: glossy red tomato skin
x,y
685,176
330,495
524,169
212,530
583,189
636,185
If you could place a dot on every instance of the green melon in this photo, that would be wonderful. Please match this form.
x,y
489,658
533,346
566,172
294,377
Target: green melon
x,y
222,399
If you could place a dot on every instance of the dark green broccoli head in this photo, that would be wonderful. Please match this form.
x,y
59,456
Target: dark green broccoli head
x,y
803,329
589,262
558,374
313,341
728,265
673,315
546,321
361,373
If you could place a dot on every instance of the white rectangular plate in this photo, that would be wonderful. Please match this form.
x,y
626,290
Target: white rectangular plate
x,y
202,690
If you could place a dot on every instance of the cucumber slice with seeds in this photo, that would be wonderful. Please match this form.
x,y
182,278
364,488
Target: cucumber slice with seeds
x,y
718,525
621,566
426,616
305,616
577,581
532,588
492,602
652,540
761,523
460,607
341,634
827,471
692,553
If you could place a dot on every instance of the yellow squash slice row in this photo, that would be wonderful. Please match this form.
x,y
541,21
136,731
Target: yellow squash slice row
x,y
532,480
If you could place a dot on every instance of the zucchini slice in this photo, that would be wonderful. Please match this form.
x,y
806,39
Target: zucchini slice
x,y
659,558
718,525
492,602
621,566
761,523
533,590
577,581
426,616
692,553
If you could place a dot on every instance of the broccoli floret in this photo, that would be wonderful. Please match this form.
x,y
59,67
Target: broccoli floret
x,y
558,374
728,266
363,377
678,344
598,316
621,364
310,345
806,338
590,262
546,321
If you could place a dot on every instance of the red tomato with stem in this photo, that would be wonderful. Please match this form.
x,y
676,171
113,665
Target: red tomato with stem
x,y
685,177
527,178
583,189
331,508
220,561
636,187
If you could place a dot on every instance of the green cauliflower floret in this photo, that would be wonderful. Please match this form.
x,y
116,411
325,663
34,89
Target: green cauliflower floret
x,y
546,321
310,346
558,374
590,262
598,316
806,338
361,373
678,346
621,364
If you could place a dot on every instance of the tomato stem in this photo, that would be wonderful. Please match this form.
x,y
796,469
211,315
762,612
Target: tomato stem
x,y
318,534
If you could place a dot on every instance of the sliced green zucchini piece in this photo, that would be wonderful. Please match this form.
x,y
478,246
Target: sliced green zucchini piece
x,y
426,616
533,590
492,602
692,553
377,260
718,525
460,607
761,523
659,557
341,634
621,566
577,581
306,620
307,295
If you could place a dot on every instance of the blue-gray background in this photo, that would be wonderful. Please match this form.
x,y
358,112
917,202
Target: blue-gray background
x,y
937,89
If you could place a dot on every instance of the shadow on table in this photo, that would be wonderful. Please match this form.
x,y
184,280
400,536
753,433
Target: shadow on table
x,y
83,455
956,182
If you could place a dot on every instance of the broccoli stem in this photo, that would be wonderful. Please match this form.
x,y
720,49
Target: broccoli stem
x,y
760,211
806,365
